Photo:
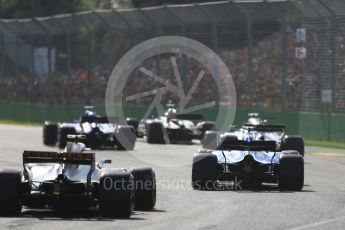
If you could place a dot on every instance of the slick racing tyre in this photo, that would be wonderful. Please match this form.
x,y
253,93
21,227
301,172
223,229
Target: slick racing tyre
x,y
155,134
94,139
63,132
10,192
145,188
125,137
209,125
204,171
210,140
116,194
206,126
134,123
50,131
294,143
291,171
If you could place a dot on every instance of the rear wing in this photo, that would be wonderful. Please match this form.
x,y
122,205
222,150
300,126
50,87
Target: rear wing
x,y
89,107
98,119
55,157
253,114
193,117
265,127
248,146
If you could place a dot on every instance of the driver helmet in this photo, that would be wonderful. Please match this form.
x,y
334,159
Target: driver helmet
x,y
171,113
89,112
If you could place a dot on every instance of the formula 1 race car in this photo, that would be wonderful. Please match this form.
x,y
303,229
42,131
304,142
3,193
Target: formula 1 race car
x,y
257,129
73,179
98,130
175,128
248,165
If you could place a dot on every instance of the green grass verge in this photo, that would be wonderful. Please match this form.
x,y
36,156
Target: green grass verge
x,y
327,144
11,122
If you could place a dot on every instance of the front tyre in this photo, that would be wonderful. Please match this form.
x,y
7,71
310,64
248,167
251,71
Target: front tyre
x,y
155,133
50,131
125,137
63,133
294,143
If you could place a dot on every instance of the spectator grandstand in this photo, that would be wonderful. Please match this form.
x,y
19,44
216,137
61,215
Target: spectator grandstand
x,y
258,48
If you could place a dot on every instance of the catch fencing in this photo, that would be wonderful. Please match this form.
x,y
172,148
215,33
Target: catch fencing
x,y
282,55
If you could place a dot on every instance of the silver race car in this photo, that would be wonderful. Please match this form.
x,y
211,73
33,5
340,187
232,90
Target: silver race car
x,y
246,165
73,179
174,128
259,130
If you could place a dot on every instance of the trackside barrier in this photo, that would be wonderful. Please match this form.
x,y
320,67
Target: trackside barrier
x,y
311,125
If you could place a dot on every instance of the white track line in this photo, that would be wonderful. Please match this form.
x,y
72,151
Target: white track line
x,y
317,224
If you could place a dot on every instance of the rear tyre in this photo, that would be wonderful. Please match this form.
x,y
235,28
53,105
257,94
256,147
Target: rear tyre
x,y
155,134
64,131
125,137
50,133
294,143
116,194
10,192
134,123
210,140
145,188
204,171
291,171
206,126
209,125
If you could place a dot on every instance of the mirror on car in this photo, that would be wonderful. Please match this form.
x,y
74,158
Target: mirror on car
x,y
103,162
106,161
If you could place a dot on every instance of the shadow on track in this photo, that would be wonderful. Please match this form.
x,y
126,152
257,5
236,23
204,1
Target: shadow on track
x,y
155,210
265,188
84,215
268,188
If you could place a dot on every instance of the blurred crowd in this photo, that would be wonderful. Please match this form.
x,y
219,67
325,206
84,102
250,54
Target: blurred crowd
x,y
80,88
303,78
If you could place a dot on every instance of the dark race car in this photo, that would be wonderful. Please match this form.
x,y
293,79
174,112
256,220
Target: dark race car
x,y
175,128
247,164
73,179
99,132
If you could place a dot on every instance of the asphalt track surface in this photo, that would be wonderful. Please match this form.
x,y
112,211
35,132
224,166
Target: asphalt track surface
x,y
321,204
